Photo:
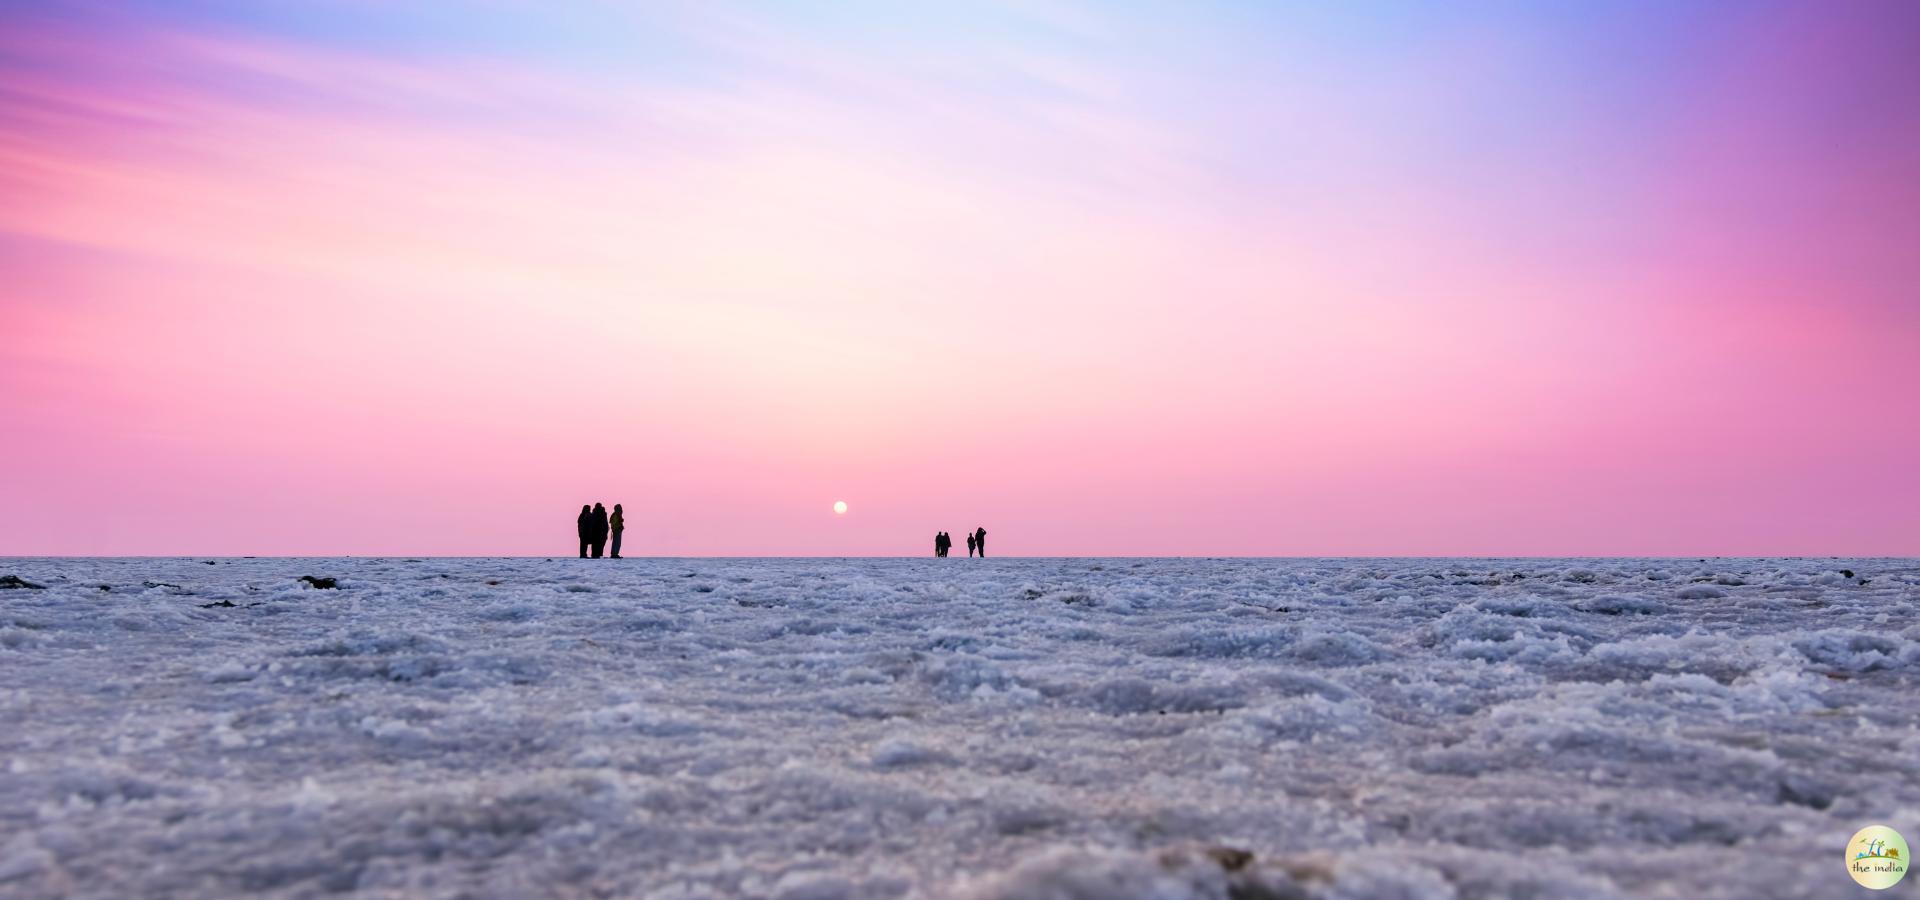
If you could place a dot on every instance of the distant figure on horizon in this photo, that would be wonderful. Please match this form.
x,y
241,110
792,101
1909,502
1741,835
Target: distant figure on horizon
x,y
584,525
970,545
616,524
980,541
599,530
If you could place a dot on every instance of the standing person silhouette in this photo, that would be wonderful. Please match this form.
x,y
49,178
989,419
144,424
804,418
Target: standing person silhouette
x,y
599,529
616,524
936,542
980,540
970,543
584,525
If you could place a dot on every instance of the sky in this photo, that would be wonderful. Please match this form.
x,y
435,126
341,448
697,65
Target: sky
x,y
1193,278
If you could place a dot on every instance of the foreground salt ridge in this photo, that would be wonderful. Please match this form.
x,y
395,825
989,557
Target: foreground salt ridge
x,y
997,728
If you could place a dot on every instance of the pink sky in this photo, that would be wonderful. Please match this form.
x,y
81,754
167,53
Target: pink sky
x,y
1194,282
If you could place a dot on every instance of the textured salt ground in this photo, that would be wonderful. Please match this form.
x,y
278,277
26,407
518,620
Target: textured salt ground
x,y
932,728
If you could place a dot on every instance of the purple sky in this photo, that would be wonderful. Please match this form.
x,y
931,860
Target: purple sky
x,y
367,278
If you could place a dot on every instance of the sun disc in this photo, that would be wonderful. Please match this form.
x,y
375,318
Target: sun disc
x,y
839,507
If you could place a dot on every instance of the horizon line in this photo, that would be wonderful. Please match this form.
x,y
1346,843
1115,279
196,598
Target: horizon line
x,y
1403,556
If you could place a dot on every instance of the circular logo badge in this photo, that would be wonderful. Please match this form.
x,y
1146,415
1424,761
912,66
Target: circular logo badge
x,y
1877,857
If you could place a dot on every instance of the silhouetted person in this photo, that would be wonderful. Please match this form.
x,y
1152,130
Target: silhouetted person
x,y
585,527
616,524
599,530
970,545
980,541
939,543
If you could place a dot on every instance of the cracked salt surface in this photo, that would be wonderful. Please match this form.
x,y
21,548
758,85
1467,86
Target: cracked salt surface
x,y
980,728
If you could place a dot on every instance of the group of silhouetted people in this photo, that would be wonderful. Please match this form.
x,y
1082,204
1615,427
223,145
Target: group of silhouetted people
x,y
976,542
596,527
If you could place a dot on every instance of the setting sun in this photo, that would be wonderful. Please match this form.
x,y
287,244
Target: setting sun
x,y
839,507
